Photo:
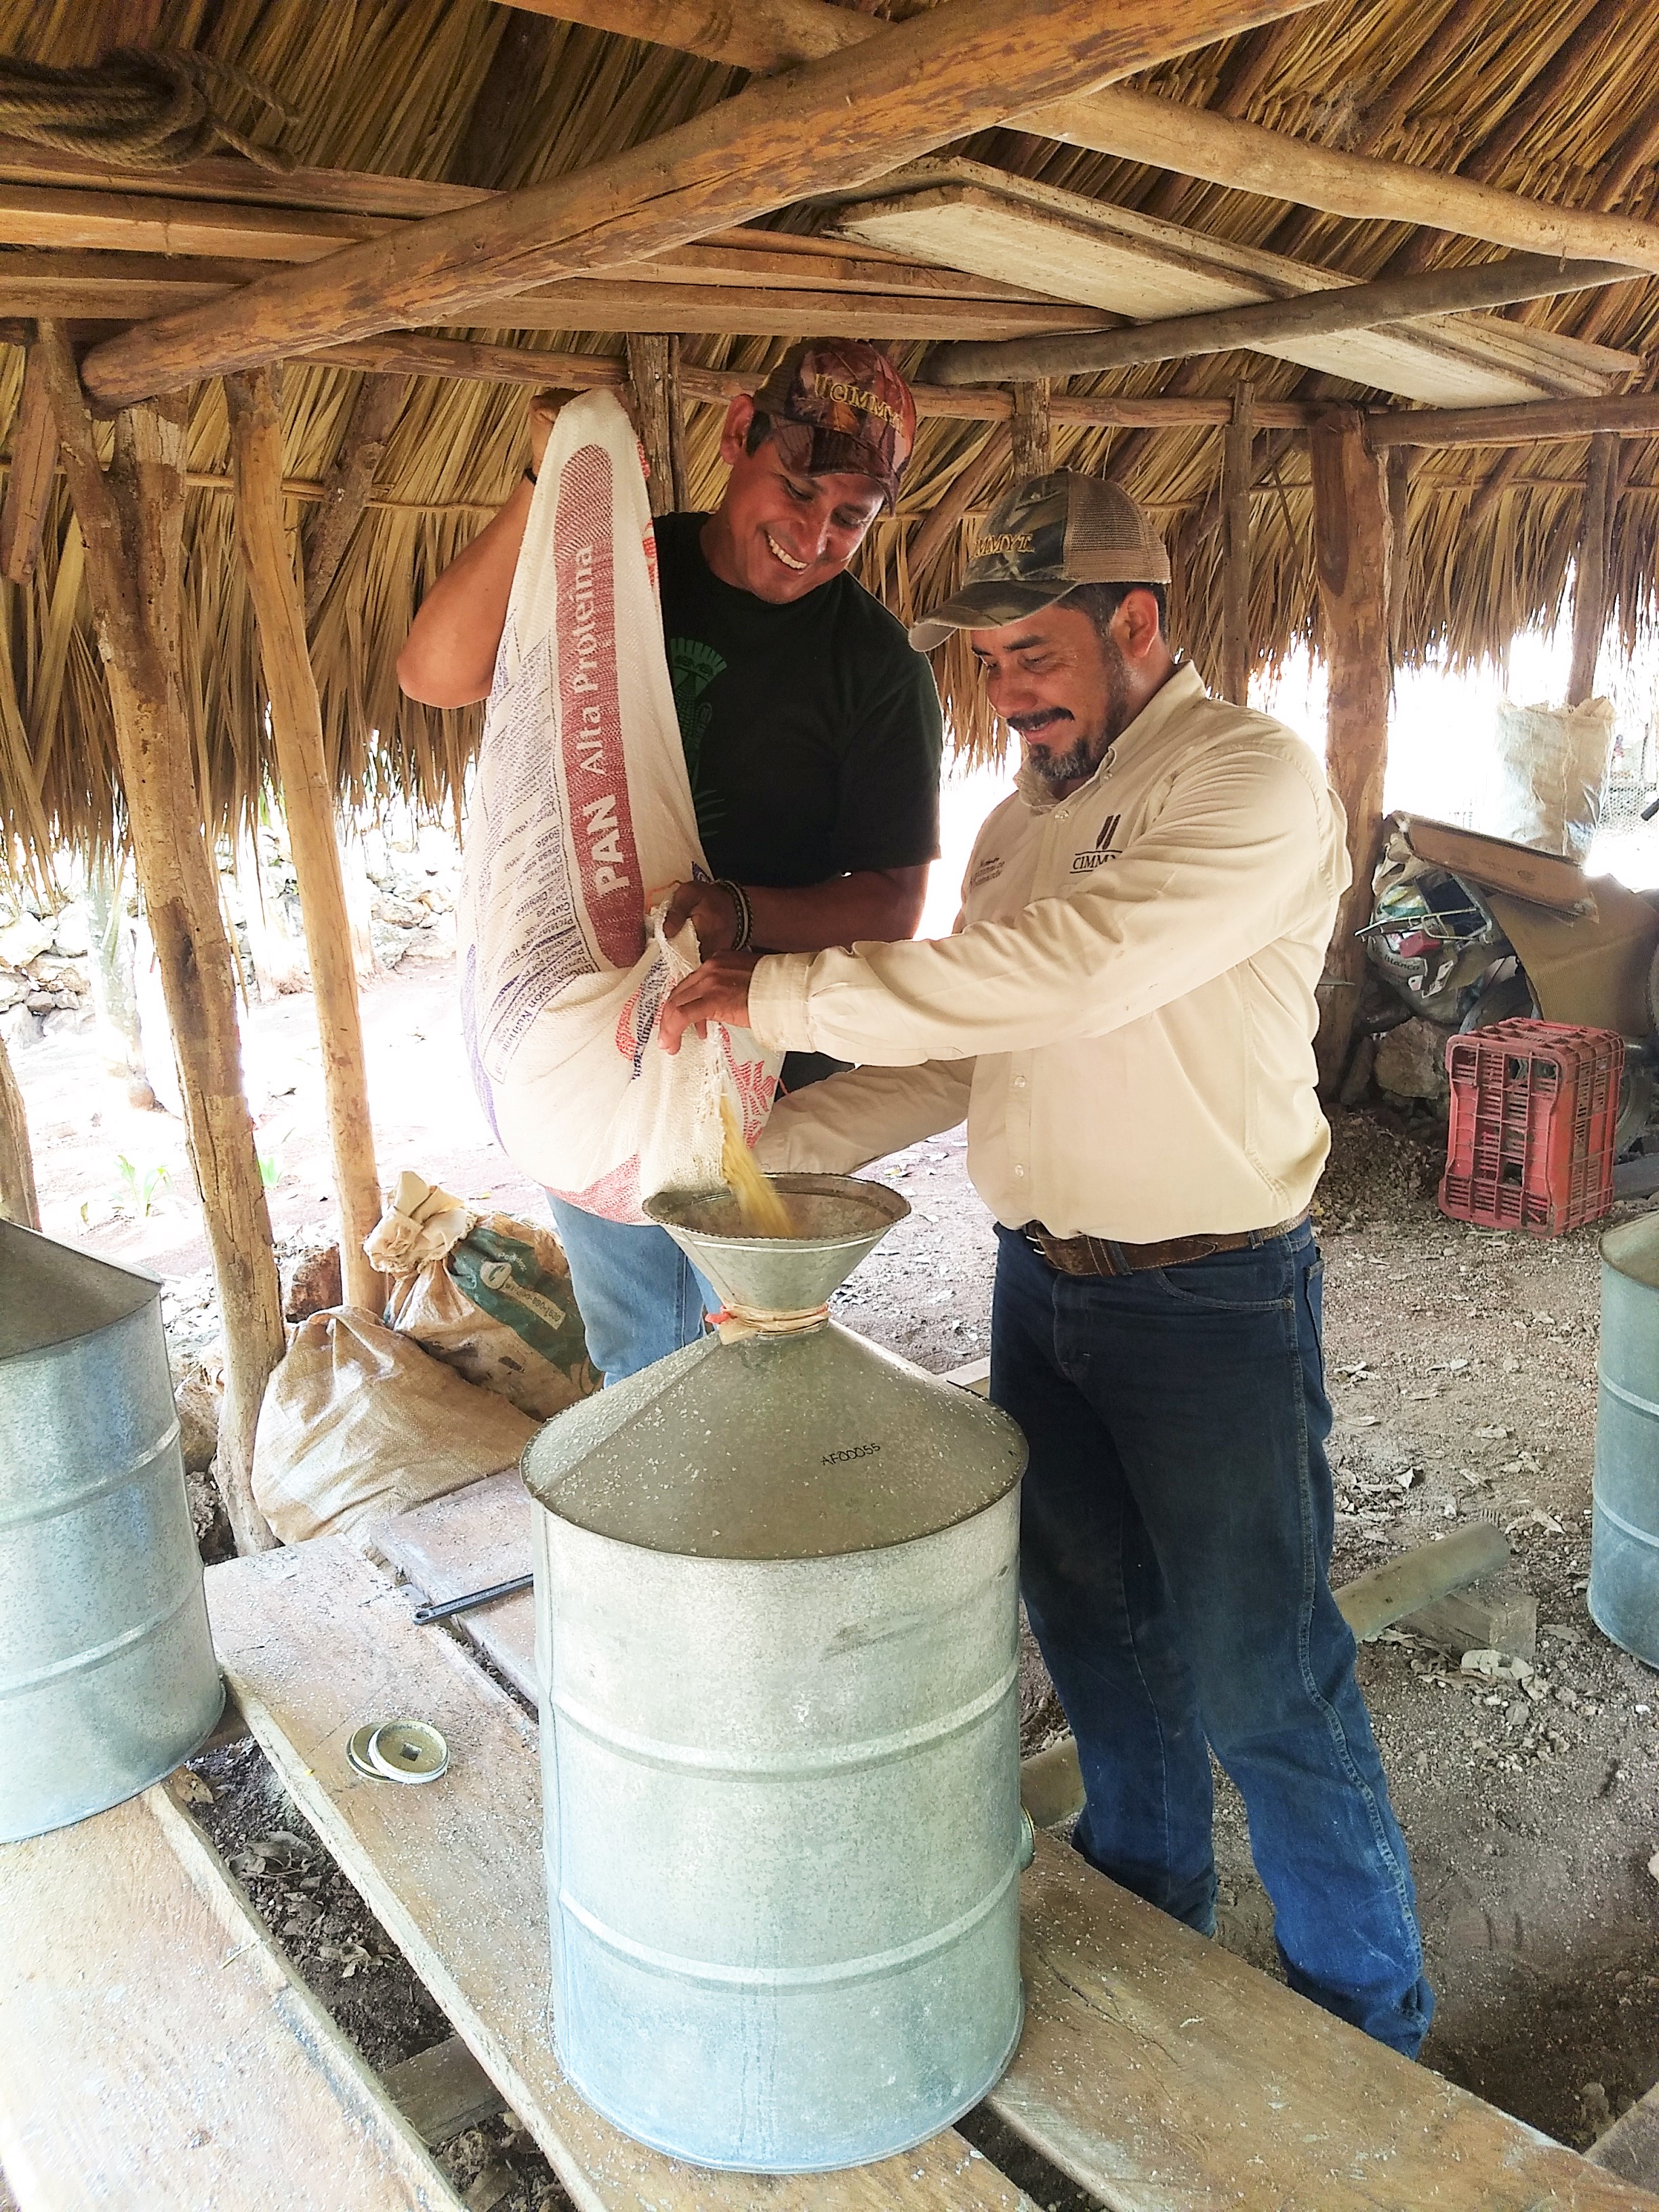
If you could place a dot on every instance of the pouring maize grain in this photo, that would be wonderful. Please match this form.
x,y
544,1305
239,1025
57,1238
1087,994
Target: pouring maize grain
x,y
762,1207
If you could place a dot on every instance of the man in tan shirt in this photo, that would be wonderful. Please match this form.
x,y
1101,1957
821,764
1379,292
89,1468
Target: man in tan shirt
x,y
1126,1015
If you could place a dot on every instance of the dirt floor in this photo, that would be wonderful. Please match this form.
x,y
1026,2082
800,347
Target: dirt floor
x,y
1462,1366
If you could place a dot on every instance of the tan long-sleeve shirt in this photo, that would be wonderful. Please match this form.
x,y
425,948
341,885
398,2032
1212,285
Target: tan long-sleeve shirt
x,y
1125,1011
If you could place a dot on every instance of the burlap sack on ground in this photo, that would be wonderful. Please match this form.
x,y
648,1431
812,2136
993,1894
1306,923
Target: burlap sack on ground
x,y
487,1294
358,1423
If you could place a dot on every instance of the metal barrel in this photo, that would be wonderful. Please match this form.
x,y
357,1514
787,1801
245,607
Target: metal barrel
x,y
1624,1585
778,1636
108,1677
783,1838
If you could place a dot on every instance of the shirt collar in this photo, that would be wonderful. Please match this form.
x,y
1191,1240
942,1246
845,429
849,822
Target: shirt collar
x,y
1171,698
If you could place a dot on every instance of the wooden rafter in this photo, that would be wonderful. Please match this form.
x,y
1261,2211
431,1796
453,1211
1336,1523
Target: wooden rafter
x,y
1136,127
832,123
1354,308
120,286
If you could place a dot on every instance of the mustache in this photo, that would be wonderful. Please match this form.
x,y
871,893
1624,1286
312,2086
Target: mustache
x,y
1028,725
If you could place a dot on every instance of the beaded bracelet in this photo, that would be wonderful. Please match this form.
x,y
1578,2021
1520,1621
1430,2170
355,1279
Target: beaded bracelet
x,y
741,907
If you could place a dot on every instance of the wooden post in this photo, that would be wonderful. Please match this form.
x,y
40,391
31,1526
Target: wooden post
x,y
18,1201
296,725
131,522
1399,474
28,482
678,468
1238,468
1589,589
1031,429
650,365
346,487
1351,549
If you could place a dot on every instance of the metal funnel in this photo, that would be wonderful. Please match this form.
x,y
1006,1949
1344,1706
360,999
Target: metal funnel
x,y
840,1219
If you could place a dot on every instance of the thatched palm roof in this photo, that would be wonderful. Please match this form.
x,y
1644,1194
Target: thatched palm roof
x,y
1550,97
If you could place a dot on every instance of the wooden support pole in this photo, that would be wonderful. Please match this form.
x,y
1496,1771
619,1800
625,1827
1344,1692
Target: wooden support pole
x,y
1268,324
1589,589
1031,428
679,469
1138,126
346,487
650,361
28,481
957,68
1351,549
296,725
1398,471
18,1201
1238,469
132,526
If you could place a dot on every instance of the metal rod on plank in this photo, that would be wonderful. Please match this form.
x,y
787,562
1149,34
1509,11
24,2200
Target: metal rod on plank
x,y
446,1607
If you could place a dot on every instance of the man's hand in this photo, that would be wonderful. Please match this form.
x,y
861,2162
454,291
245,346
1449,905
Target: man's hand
x,y
716,992
710,912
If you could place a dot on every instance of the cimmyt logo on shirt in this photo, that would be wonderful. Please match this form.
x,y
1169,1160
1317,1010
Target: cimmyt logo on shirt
x,y
1101,851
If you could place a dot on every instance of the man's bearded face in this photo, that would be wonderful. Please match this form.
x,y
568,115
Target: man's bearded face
x,y
1061,686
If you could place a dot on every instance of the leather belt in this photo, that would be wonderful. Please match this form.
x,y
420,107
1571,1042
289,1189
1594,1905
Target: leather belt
x,y
1104,1255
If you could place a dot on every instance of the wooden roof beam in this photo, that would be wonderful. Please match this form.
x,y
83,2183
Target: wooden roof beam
x,y
833,123
1635,413
1352,307
125,287
1135,126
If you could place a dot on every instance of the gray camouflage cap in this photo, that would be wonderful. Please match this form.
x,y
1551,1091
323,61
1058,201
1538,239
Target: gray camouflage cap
x,y
1046,537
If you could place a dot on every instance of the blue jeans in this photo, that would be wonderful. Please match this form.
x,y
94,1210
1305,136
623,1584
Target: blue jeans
x,y
639,1296
1175,1539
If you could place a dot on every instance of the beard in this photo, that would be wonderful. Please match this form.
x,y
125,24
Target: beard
x,y
1080,760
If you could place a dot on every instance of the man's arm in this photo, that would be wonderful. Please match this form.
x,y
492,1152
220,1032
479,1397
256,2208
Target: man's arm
x,y
1223,871
844,1122
874,902
448,657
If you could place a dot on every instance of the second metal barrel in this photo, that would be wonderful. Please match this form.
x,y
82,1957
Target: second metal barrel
x,y
1624,1586
107,1677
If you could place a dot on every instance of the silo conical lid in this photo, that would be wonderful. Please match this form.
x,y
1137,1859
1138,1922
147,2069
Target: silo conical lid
x,y
784,1447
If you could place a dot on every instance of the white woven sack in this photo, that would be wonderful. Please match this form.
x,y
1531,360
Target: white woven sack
x,y
581,818
1549,776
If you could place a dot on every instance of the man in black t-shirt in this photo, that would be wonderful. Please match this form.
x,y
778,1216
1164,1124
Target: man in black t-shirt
x,y
811,730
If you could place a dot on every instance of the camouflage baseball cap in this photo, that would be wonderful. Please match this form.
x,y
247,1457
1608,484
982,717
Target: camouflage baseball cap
x,y
1046,537
839,407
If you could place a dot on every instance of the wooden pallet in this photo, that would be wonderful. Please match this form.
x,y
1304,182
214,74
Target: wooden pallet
x,y
1158,2071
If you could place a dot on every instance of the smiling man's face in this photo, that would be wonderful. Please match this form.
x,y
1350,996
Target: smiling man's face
x,y
779,533
1061,686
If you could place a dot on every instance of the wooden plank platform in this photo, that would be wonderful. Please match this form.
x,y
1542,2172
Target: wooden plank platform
x,y
466,1542
159,2052
315,1641
1162,2074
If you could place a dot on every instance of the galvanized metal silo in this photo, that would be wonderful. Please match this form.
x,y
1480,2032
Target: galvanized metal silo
x,y
107,1677
1624,1585
779,1633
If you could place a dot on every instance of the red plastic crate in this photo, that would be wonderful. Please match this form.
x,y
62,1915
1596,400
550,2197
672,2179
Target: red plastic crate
x,y
1533,1105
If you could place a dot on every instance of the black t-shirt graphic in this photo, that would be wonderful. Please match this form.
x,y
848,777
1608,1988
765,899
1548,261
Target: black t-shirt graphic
x,y
812,732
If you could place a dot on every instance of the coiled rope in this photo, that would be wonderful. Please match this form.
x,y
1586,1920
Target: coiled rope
x,y
135,109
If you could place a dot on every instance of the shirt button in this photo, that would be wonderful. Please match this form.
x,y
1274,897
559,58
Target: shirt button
x,y
1019,1171
1019,1082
